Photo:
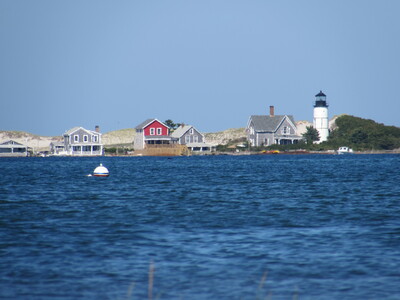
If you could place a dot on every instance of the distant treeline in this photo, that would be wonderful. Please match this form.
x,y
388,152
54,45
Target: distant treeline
x,y
357,133
363,134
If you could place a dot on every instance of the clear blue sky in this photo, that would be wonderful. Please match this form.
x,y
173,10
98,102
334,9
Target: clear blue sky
x,y
209,63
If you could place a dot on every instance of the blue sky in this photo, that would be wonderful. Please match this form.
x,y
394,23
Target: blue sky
x,y
209,63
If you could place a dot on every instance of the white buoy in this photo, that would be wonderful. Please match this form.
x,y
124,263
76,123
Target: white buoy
x,y
100,171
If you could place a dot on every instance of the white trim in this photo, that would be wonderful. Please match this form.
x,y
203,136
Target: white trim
x,y
187,139
72,132
178,133
249,122
81,128
152,121
291,123
280,123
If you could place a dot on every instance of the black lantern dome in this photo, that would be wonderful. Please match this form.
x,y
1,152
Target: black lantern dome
x,y
320,100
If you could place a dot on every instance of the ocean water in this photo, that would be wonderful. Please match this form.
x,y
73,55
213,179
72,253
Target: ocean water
x,y
215,227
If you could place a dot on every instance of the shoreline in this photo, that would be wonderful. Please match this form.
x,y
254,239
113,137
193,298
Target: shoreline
x,y
204,155
245,153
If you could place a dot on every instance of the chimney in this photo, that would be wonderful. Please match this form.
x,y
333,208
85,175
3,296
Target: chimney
x,y
97,128
271,111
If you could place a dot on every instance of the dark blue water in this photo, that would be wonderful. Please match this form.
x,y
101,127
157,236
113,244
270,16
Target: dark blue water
x,y
216,227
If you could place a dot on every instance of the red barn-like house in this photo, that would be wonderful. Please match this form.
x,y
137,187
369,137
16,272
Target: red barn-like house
x,y
152,132
155,127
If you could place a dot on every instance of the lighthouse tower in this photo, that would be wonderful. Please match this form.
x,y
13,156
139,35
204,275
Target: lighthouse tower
x,y
321,116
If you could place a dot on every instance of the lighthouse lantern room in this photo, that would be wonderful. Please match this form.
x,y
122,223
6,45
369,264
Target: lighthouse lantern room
x,y
321,122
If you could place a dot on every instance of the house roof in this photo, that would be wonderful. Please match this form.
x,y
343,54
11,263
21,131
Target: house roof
x,y
11,142
181,130
72,130
269,123
144,123
148,122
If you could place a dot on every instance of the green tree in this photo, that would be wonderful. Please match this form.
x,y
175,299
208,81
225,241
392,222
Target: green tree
x,y
359,136
171,124
363,134
311,135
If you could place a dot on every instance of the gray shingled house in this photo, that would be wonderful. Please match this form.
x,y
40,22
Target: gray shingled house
x,y
192,138
79,141
266,130
13,148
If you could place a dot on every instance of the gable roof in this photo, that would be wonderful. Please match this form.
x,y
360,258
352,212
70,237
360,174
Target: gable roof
x,y
181,130
144,123
268,123
11,142
74,129
148,122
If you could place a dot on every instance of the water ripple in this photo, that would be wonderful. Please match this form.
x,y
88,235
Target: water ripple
x,y
318,227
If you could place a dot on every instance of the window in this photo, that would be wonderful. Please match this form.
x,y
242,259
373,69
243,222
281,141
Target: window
x,y
195,139
76,138
187,139
152,130
85,138
95,138
191,131
286,130
159,131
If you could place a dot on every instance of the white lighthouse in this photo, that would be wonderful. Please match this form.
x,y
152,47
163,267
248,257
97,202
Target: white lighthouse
x,y
321,116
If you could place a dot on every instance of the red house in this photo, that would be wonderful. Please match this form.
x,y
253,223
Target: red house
x,y
152,132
